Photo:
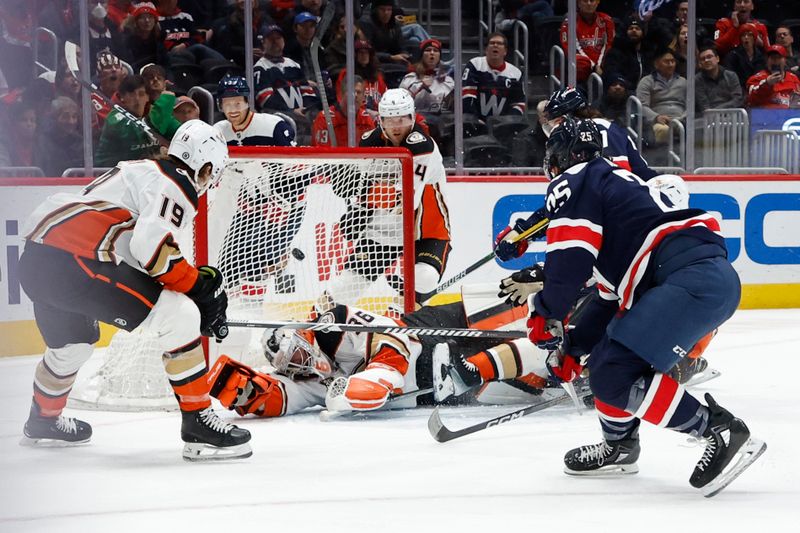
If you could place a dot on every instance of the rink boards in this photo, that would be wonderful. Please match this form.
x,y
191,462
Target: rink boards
x,y
759,218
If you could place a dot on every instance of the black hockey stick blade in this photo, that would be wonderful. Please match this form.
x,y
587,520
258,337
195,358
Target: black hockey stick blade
x,y
441,433
358,328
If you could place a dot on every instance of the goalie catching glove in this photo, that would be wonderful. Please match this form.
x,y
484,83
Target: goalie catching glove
x,y
210,298
506,243
518,286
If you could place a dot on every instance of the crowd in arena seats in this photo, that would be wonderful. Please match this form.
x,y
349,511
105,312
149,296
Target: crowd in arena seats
x,y
146,55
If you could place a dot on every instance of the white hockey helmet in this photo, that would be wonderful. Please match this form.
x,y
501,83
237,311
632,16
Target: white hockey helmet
x,y
196,143
673,187
396,103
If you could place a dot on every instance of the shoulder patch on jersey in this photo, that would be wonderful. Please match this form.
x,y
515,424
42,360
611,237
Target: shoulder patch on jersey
x,y
416,137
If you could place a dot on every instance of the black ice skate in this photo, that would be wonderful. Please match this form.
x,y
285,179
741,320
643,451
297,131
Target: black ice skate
x,y
691,372
54,431
209,438
726,438
608,458
453,375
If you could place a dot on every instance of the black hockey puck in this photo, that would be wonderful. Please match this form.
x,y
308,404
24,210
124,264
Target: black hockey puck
x,y
298,254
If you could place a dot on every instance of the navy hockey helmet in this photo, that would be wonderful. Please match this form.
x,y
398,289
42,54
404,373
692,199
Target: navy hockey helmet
x,y
571,142
232,86
564,102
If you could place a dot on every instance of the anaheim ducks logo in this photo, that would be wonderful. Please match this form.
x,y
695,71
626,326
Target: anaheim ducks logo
x,y
415,138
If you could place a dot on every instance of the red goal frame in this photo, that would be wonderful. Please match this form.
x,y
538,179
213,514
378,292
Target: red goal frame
x,y
306,153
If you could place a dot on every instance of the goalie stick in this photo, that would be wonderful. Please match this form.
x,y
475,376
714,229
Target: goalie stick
x,y
71,57
441,433
358,328
534,231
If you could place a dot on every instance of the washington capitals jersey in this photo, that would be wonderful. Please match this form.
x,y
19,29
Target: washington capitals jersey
x,y
606,221
491,92
619,148
280,85
259,129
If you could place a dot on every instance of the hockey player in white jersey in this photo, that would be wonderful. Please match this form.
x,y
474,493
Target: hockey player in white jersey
x,y
375,248
244,127
112,253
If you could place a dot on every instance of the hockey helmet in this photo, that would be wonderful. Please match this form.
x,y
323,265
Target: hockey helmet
x,y
195,143
564,102
572,142
396,103
230,86
292,354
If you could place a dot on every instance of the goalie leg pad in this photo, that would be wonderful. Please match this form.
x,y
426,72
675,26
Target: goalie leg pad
x,y
246,391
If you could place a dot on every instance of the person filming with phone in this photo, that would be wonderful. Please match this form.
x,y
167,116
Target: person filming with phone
x,y
775,86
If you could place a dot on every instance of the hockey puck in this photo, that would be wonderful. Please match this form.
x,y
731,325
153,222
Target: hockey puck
x,y
298,254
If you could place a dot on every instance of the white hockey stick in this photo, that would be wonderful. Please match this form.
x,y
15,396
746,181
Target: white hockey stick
x,y
358,328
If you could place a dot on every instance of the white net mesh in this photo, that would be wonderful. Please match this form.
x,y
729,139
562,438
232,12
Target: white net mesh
x,y
288,235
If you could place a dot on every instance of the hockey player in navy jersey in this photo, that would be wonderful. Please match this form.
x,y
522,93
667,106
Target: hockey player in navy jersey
x,y
243,127
664,281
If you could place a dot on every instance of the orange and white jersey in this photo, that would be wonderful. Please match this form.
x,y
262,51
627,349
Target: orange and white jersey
x,y
139,212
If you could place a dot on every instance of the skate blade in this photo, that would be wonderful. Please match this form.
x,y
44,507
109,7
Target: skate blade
x,y
605,471
747,455
707,375
31,442
199,452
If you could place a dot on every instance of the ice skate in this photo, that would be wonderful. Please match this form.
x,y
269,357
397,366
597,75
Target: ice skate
x,y
209,438
452,375
608,458
727,438
54,431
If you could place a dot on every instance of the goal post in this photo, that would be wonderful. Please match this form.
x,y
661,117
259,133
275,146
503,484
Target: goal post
x,y
291,230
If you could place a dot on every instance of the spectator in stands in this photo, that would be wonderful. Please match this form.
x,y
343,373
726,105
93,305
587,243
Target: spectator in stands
x,y
180,37
62,18
155,81
110,74
525,10
141,36
298,47
784,37
66,84
185,109
242,126
383,31
614,102
729,29
336,51
279,81
632,54
528,147
118,11
368,68
364,122
595,33
122,139
775,86
715,86
491,85
429,83
663,97
21,127
103,33
206,12
60,145
747,58
228,33
680,47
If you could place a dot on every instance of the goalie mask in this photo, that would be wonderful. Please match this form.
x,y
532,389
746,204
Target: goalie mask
x,y
294,356
196,144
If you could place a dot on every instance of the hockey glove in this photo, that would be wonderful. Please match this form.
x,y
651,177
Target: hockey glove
x,y
504,246
210,298
564,367
518,286
546,333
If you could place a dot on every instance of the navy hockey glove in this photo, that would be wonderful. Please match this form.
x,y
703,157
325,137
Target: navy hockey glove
x,y
518,286
210,298
546,333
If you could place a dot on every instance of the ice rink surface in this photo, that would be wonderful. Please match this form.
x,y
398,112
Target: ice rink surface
x,y
387,474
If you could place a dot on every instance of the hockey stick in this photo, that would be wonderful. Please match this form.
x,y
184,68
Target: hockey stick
x,y
71,57
532,232
358,328
441,433
322,27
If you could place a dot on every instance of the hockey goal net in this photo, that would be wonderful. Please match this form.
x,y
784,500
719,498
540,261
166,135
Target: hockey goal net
x,y
290,229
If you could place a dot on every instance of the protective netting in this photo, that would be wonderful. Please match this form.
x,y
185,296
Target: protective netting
x,y
288,235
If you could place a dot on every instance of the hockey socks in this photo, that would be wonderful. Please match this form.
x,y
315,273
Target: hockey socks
x,y
186,370
509,360
54,376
